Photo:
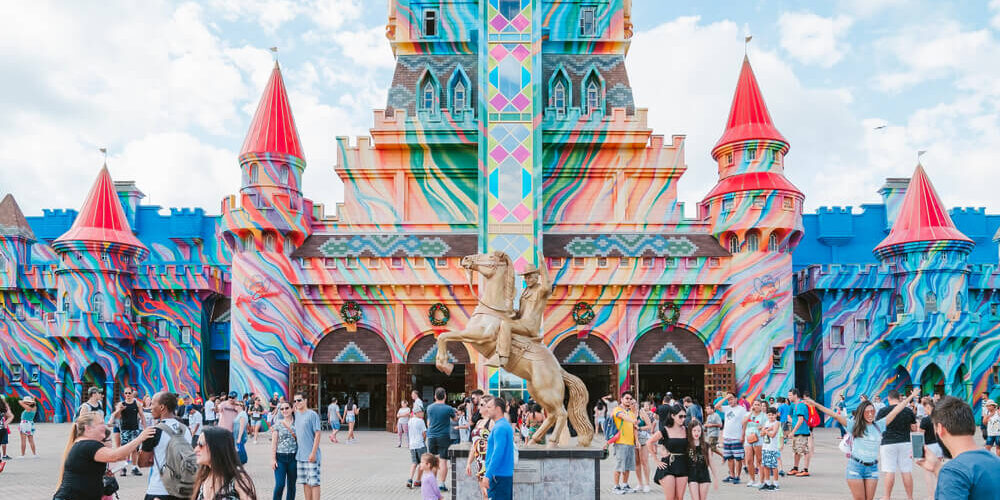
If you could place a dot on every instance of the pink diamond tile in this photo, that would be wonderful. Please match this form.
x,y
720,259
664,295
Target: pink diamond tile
x,y
499,212
521,153
498,102
498,22
520,102
520,22
521,52
520,264
498,154
521,212
498,52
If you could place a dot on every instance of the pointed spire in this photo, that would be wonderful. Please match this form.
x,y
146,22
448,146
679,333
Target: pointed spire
x,y
273,128
921,217
748,116
12,221
102,218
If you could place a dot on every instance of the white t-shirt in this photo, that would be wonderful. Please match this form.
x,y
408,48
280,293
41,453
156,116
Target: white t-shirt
x,y
993,425
733,427
209,410
416,429
155,485
417,405
403,415
195,422
771,443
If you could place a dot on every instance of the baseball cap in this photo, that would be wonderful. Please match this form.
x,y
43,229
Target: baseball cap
x,y
233,394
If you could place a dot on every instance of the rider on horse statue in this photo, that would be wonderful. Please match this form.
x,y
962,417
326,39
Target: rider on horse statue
x,y
526,322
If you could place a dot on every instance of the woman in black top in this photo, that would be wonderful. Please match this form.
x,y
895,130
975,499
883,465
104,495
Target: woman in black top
x,y
671,471
699,462
86,458
930,439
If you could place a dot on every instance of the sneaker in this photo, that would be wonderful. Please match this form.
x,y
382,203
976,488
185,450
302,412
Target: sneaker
x,y
793,472
443,488
645,489
416,484
627,489
728,479
781,473
764,487
5,457
124,472
775,487
736,480
803,473
136,472
617,490
409,483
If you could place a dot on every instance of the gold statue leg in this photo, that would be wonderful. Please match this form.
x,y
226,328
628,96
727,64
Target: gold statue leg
x,y
502,354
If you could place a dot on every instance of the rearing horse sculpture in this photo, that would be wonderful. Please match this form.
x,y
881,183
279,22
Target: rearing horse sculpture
x,y
530,360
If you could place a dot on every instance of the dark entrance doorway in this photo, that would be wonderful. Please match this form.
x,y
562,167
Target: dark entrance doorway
x,y
424,377
591,359
669,360
364,384
353,364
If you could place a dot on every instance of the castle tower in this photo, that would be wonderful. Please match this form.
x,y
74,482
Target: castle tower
x,y
756,214
270,220
16,238
97,263
929,256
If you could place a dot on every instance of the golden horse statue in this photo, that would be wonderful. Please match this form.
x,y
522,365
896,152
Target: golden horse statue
x,y
529,359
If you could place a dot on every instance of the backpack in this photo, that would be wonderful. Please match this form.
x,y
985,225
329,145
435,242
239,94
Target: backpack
x,y
180,465
611,430
814,420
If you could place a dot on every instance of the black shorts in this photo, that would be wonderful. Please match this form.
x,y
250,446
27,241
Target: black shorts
x,y
439,446
677,467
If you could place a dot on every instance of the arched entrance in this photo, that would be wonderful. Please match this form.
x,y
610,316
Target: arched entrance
x,y
899,380
421,374
352,365
932,380
959,389
668,360
93,376
591,359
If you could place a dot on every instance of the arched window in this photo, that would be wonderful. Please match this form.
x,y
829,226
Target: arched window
x,y
900,306
593,96
772,243
247,243
958,302
253,173
97,306
753,242
559,96
458,100
269,242
427,96
283,174
129,313
930,302
65,302
734,244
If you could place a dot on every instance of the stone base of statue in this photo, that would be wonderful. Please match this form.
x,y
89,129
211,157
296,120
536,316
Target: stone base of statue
x,y
540,474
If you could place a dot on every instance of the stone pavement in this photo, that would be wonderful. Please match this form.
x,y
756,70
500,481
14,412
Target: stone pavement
x,y
374,468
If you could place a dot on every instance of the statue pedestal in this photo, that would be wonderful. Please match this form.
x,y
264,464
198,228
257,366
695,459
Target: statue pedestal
x,y
540,474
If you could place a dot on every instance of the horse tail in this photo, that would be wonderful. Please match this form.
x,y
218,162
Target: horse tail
x,y
578,408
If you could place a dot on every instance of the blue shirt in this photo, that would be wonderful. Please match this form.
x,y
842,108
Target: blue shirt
x,y
306,427
500,450
439,417
865,448
783,410
694,411
801,410
974,475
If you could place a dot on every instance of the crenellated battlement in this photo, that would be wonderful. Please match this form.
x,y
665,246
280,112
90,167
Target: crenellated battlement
x,y
824,210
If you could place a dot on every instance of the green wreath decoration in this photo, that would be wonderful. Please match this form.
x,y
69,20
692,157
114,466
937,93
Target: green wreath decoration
x,y
350,312
669,313
433,314
583,313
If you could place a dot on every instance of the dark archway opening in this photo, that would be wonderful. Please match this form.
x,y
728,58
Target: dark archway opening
x,y
669,360
353,365
424,377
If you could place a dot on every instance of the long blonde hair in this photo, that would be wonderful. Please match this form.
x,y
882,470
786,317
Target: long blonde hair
x,y
86,419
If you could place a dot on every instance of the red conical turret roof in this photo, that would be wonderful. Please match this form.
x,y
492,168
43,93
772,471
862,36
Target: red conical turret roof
x,y
102,218
273,128
748,116
921,216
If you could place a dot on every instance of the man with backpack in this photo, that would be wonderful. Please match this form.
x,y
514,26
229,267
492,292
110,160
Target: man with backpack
x,y
168,453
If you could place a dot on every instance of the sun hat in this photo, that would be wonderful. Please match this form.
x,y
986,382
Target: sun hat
x,y
990,402
28,399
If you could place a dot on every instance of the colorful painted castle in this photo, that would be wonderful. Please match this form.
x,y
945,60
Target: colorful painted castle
x,y
510,125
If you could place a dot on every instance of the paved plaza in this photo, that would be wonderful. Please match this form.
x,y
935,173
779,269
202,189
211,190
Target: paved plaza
x,y
374,468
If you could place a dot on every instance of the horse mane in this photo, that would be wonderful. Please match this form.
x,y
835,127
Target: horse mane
x,y
508,280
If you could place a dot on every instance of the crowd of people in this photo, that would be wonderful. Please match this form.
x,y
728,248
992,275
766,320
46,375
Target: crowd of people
x,y
197,449
674,441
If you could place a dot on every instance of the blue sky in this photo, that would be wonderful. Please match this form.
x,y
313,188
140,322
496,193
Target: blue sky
x,y
170,88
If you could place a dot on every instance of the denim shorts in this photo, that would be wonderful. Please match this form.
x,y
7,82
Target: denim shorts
x,y
992,440
857,470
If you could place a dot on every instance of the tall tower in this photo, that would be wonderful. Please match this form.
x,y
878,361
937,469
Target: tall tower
x,y
94,294
16,238
756,213
510,150
271,219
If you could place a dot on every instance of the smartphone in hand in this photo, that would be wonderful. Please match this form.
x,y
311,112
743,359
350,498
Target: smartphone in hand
x,y
917,441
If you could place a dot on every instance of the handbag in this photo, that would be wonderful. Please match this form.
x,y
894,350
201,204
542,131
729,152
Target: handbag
x,y
846,444
110,485
752,438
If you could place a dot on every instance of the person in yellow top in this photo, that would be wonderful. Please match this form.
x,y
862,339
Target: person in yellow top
x,y
625,417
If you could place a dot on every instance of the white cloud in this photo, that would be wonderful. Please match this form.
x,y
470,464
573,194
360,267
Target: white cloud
x,y
269,14
825,136
868,8
813,39
367,47
944,50
995,7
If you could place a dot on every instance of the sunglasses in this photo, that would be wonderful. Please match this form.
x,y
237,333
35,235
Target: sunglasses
x,y
283,408
200,444
298,400
681,415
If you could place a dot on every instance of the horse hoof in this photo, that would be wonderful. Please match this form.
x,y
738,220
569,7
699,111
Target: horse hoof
x,y
445,368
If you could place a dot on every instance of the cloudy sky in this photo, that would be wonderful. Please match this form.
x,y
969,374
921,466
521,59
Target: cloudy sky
x,y
170,87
